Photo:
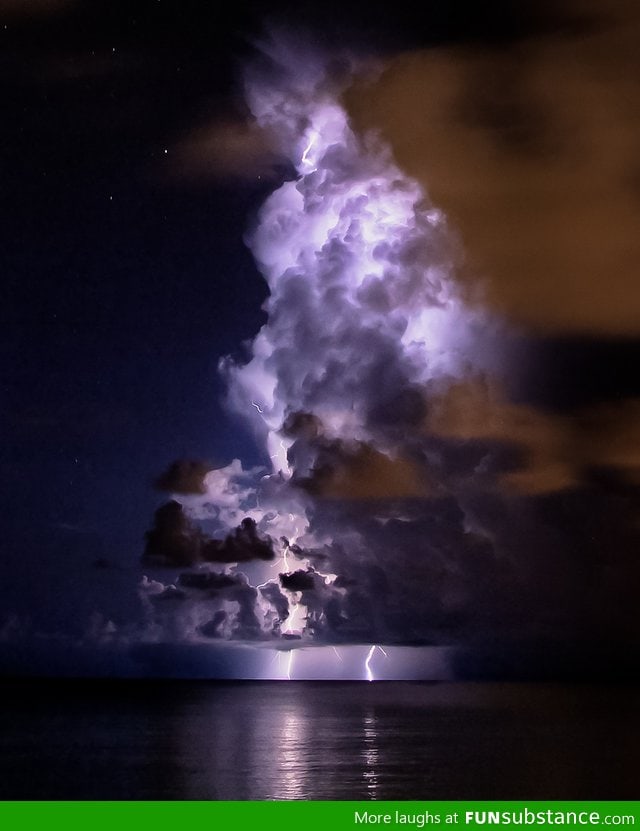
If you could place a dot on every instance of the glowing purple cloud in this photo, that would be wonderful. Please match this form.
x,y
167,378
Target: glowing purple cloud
x,y
363,315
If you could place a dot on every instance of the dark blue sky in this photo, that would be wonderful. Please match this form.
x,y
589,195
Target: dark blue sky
x,y
122,287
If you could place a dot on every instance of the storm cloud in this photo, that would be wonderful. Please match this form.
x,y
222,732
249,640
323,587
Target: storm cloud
x,y
174,540
416,487
183,476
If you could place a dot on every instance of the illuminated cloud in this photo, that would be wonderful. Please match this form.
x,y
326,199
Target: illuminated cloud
x,y
363,311
405,497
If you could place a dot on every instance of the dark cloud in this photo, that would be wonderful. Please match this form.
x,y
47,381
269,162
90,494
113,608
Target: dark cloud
x,y
184,476
213,604
412,571
556,450
299,581
553,571
175,540
172,540
241,545
206,581
302,425
211,629
338,469
271,592
573,565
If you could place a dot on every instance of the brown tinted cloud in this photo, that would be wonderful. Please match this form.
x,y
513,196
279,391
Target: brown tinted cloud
x,y
184,476
556,451
226,149
531,150
363,473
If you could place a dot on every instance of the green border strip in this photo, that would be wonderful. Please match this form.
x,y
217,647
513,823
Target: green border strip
x,y
328,816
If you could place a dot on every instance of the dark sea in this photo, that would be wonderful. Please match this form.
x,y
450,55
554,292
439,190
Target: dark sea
x,y
278,740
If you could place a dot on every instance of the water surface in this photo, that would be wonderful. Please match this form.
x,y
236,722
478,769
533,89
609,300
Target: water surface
x,y
317,740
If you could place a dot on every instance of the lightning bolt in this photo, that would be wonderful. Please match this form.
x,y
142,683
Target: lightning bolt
x,y
307,150
367,662
288,625
277,455
258,407
289,664
284,560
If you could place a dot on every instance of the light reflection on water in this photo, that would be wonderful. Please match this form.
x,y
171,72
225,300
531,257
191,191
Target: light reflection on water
x,y
370,754
290,737
400,741
315,740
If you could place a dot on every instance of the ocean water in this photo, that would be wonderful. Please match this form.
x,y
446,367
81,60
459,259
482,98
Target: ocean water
x,y
317,740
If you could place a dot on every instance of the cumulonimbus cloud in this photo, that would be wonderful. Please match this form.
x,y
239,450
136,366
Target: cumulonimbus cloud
x,y
403,497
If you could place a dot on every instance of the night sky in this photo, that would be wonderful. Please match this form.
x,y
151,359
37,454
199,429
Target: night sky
x,y
130,179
